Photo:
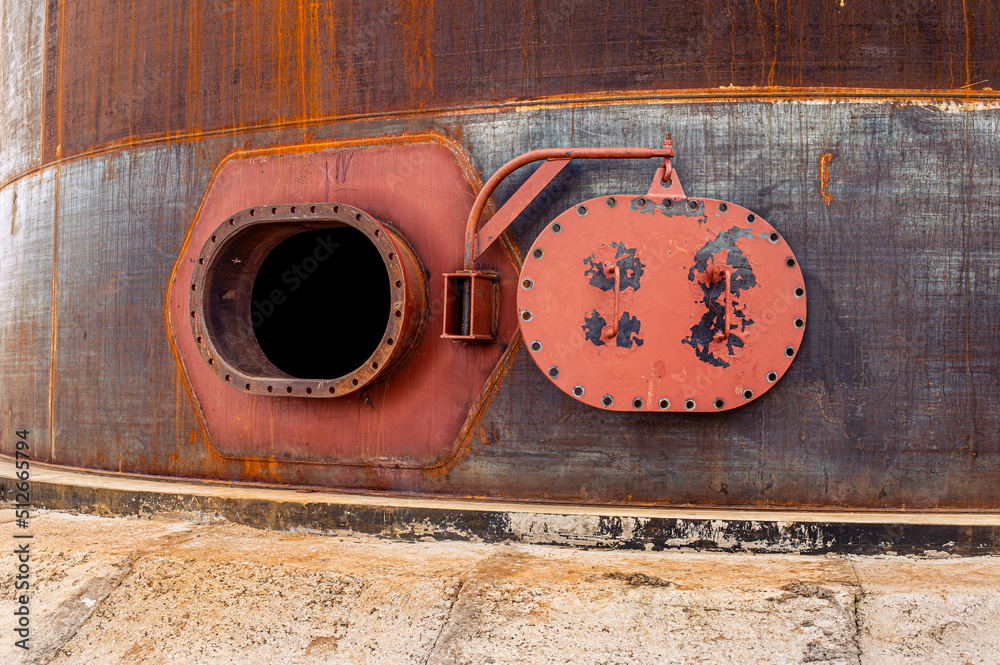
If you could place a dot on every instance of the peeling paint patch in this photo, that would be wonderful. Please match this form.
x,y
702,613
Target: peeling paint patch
x,y
630,269
702,337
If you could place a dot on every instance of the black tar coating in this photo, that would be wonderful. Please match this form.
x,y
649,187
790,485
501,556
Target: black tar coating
x,y
628,330
630,270
743,278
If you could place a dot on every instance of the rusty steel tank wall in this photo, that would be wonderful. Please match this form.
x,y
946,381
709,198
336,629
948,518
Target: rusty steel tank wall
x,y
871,150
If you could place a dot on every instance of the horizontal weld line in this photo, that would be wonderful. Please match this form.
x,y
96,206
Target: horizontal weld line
x,y
596,99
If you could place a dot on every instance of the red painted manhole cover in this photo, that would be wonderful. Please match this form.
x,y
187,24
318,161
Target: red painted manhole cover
x,y
645,303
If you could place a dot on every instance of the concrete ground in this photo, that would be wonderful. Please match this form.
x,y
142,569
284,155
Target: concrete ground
x,y
113,590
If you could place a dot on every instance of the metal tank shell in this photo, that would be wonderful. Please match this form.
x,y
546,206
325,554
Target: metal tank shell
x,y
865,133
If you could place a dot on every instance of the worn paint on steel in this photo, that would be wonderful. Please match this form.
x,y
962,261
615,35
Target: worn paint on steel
x,y
113,119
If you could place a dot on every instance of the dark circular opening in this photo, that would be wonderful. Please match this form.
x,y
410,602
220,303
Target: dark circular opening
x,y
664,403
790,262
772,377
578,391
536,346
799,292
553,372
689,405
719,403
789,351
637,403
799,323
747,394
607,400
773,237
723,207
320,303
612,202
692,204
751,218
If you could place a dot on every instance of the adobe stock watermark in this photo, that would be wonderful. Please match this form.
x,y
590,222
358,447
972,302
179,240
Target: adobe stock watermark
x,y
293,277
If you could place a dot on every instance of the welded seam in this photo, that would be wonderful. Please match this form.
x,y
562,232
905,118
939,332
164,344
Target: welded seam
x,y
749,94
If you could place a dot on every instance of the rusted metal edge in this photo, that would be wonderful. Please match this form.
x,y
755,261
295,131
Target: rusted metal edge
x,y
727,94
408,519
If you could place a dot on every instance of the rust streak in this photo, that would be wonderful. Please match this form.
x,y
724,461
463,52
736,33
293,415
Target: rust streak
x,y
824,177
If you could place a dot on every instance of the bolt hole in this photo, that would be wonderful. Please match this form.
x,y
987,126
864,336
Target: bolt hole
x,y
398,314
664,403
377,233
607,400
227,377
252,211
389,341
799,323
357,217
391,256
538,253
201,261
719,402
274,211
771,377
553,372
194,287
536,346
789,351
335,209
557,228
198,339
248,386
799,292
354,382
526,315
211,361
668,202
689,405
637,403
332,390
270,389
232,222
581,210
374,365
748,394
693,205
527,283
578,391
773,237
640,202
399,283
751,218
611,201
723,207
293,209
309,391
288,389
790,262
313,209
213,238
192,315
